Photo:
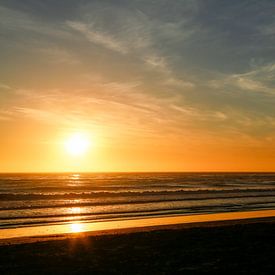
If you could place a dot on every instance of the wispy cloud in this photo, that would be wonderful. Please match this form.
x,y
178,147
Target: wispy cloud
x,y
42,115
98,37
175,66
179,83
4,87
198,114
157,62
133,33
259,80
108,108
248,84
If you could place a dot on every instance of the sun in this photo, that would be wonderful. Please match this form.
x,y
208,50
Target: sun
x,y
77,144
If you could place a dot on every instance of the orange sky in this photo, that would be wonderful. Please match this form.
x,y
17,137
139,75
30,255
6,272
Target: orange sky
x,y
171,87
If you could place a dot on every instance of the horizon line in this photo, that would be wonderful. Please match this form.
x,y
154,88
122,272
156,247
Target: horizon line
x,y
117,172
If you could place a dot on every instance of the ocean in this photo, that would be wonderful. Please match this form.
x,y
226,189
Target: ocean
x,y
43,199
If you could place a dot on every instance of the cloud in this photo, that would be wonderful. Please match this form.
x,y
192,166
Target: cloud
x,y
248,84
179,83
102,103
4,87
98,37
178,67
258,80
157,62
42,115
198,114
134,33
160,65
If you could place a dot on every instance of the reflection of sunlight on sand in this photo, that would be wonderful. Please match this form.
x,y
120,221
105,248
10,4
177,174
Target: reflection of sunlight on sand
x,y
77,227
135,223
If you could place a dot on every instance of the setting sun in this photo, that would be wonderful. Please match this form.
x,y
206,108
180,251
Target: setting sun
x,y
77,144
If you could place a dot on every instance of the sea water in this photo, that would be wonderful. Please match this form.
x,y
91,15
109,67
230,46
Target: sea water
x,y
43,199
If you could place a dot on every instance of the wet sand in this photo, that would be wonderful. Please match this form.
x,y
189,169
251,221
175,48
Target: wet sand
x,y
235,246
96,227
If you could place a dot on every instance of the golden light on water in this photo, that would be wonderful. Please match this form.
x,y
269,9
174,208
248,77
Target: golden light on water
x,y
77,144
75,210
135,223
76,227
75,176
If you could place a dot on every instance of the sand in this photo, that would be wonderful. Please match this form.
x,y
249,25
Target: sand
x,y
67,228
235,246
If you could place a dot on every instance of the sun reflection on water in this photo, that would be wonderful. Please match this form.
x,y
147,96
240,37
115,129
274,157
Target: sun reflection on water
x,y
74,180
75,176
76,227
75,210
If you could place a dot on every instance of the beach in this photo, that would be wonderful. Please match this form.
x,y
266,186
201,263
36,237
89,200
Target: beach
x,y
239,246
137,223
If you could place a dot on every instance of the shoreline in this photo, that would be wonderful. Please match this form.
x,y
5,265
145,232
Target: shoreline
x,y
80,230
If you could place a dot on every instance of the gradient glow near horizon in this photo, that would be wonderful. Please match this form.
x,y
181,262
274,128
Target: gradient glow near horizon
x,y
158,85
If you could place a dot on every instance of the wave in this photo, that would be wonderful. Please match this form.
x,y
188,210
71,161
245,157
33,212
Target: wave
x,y
41,196
27,221
29,199
146,207
77,203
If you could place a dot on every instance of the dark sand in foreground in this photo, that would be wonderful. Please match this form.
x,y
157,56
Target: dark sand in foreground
x,y
232,246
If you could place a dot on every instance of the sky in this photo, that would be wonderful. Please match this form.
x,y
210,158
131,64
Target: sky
x,y
156,85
